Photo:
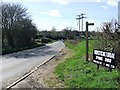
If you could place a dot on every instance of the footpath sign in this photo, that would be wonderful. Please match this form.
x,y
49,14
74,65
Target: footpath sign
x,y
104,58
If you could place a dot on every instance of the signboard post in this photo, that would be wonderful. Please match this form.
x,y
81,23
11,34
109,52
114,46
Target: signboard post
x,y
104,58
87,24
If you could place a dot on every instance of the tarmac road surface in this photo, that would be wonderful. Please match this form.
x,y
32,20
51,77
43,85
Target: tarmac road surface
x,y
15,65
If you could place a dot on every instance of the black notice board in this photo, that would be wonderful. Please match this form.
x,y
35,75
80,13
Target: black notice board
x,y
104,58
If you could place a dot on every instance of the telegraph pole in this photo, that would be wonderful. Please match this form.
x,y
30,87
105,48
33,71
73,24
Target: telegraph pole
x,y
79,17
82,16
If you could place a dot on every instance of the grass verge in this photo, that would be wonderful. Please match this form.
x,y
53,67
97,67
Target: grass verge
x,y
75,72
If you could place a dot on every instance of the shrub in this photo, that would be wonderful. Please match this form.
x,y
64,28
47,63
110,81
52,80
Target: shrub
x,y
46,40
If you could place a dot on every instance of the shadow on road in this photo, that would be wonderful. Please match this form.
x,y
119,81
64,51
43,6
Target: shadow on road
x,y
40,51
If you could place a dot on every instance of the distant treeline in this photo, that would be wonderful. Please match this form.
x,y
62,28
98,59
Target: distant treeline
x,y
64,34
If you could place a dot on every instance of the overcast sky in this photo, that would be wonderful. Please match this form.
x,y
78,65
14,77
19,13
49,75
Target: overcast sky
x,y
62,13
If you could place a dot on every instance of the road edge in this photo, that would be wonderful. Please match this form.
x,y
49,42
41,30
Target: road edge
x,y
30,72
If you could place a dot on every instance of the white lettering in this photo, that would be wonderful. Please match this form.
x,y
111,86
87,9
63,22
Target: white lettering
x,y
101,53
99,58
108,60
107,65
110,55
97,62
113,55
96,52
112,66
105,54
100,63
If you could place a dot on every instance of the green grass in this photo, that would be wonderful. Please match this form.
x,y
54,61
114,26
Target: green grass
x,y
75,72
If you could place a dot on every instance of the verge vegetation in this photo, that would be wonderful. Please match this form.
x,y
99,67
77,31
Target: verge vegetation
x,y
109,39
75,72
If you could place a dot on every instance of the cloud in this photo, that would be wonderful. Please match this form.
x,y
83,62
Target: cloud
x,y
104,7
44,26
57,1
53,13
112,3
98,1
64,2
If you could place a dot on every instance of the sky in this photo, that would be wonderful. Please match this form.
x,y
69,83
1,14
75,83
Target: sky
x,y
62,13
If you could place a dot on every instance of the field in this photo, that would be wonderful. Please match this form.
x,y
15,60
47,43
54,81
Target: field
x,y
75,72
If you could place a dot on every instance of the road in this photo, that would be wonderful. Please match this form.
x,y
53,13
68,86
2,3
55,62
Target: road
x,y
15,65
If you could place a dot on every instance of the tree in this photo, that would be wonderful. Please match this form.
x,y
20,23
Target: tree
x,y
11,14
53,29
109,39
25,35
17,28
54,33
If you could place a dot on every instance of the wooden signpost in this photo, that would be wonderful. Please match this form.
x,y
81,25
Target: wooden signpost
x,y
104,58
87,24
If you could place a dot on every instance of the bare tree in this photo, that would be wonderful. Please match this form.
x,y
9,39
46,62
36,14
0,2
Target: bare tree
x,y
15,26
109,39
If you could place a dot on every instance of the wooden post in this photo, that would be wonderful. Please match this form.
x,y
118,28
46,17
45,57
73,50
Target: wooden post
x,y
110,69
97,66
87,24
86,41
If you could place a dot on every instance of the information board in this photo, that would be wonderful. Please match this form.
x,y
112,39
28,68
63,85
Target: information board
x,y
104,58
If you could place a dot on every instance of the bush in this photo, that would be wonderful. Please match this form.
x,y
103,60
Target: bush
x,y
109,40
12,50
46,40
